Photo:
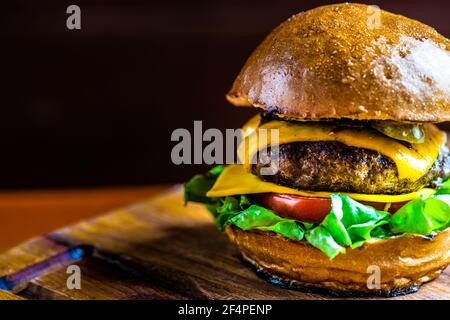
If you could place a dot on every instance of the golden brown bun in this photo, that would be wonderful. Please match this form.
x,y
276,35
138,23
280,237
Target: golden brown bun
x,y
405,262
328,63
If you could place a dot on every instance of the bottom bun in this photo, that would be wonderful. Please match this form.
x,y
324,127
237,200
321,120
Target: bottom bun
x,y
404,262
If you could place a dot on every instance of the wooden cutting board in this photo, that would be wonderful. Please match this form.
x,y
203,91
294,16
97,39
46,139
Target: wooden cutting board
x,y
157,249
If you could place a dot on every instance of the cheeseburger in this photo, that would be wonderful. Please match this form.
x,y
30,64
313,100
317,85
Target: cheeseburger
x,y
354,187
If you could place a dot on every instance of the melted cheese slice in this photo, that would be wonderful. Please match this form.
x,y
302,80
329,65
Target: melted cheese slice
x,y
235,180
412,163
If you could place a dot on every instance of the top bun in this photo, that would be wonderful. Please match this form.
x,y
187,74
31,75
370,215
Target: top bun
x,y
349,61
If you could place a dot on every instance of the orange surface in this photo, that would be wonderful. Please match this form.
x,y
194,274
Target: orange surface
x,y
25,214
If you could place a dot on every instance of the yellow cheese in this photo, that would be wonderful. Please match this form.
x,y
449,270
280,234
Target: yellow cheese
x,y
235,180
412,163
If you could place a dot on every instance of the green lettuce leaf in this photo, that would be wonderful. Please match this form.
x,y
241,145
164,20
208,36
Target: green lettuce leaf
x,y
423,215
195,189
349,223
444,188
320,238
228,208
256,217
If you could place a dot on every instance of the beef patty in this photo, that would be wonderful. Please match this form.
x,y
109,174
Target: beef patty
x,y
333,166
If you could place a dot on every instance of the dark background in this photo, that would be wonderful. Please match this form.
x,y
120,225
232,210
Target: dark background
x,y
97,106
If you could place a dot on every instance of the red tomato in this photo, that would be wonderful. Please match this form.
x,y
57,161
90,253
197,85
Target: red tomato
x,y
307,209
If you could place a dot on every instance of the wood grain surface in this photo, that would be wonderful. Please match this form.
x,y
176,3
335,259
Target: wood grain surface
x,y
156,249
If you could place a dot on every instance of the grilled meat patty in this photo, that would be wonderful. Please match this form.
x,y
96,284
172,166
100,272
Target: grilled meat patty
x,y
333,166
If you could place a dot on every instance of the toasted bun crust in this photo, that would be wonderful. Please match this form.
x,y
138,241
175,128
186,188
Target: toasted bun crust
x,y
405,262
349,61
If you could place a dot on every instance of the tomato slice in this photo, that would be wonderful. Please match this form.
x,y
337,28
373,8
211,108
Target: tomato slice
x,y
307,209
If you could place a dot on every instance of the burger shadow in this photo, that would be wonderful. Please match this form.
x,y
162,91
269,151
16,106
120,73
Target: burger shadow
x,y
200,262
